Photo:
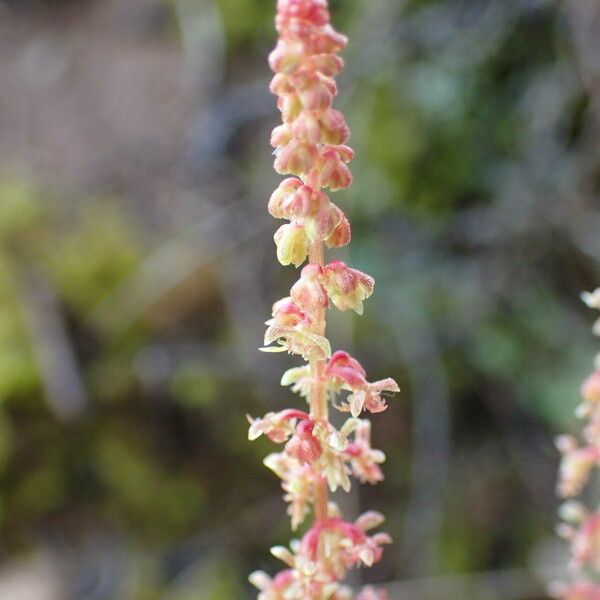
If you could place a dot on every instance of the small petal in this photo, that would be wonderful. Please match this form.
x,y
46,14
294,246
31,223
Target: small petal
x,y
283,554
341,235
369,520
592,299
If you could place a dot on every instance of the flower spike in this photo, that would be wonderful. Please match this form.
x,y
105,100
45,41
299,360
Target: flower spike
x,y
580,526
316,457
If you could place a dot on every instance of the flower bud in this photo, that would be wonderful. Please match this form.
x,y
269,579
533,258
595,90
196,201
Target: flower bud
x,y
281,197
307,292
290,107
306,128
280,84
575,466
347,288
303,445
341,235
317,96
321,222
282,60
295,31
281,135
327,64
334,128
314,11
590,390
333,173
370,593
287,314
347,370
278,427
296,158
292,244
328,41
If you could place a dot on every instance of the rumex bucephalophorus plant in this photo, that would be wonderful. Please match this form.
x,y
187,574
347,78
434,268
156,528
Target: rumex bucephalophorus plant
x,y
310,147
581,526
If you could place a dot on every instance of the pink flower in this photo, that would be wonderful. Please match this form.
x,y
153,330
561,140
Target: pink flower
x,y
308,208
347,287
334,129
288,314
348,544
590,390
323,221
333,172
341,235
307,292
328,64
304,446
272,589
364,460
278,427
370,398
585,546
370,593
576,465
307,127
298,482
577,591
283,203
281,427
297,158
314,11
316,93
290,107
347,372
293,329
281,135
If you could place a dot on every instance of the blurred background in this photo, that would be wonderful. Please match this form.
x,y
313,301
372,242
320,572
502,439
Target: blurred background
x,y
137,267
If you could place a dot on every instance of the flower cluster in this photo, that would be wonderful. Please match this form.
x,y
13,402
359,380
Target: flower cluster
x,y
580,526
316,457
320,559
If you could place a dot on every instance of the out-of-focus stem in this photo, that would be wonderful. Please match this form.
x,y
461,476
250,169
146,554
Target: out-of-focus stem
x,y
318,396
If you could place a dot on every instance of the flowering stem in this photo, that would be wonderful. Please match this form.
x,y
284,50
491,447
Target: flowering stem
x,y
319,409
317,457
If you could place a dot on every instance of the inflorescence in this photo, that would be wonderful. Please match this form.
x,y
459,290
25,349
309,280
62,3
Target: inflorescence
x,y
580,525
310,147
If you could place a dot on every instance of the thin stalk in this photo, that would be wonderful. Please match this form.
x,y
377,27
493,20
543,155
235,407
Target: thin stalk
x,y
319,409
